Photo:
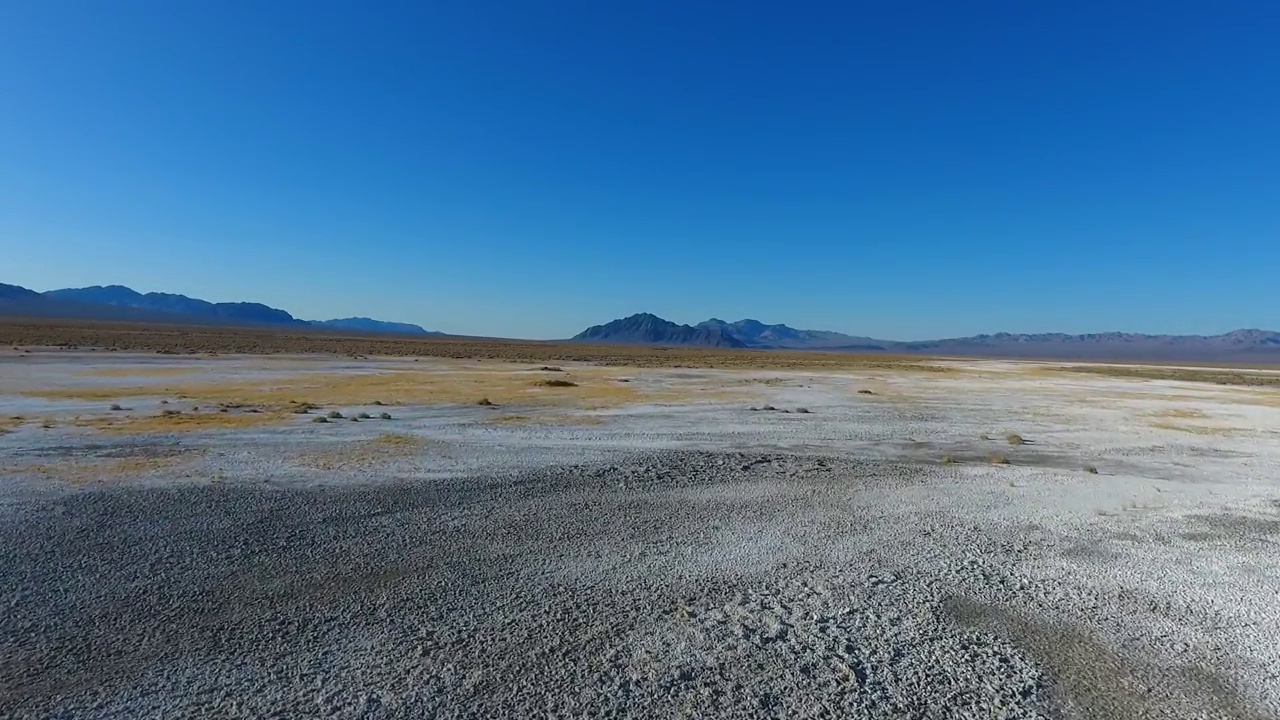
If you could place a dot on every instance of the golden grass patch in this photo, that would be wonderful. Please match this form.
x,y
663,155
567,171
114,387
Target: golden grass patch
x,y
183,422
148,370
594,387
361,454
82,470
1180,413
1195,429
400,440
1217,376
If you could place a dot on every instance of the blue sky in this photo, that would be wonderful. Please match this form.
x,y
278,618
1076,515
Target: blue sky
x,y
901,170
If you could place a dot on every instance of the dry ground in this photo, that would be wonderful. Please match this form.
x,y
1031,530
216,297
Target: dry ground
x,y
778,536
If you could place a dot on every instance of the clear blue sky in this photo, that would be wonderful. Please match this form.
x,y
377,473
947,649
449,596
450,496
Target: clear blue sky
x,y
901,170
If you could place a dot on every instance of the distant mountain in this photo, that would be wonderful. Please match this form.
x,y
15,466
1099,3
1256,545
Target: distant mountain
x,y
756,334
242,312
1237,345
647,329
17,292
365,324
18,301
120,303
1254,346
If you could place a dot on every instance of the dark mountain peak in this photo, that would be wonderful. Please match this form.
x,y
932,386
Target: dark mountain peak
x,y
110,294
649,329
755,333
1250,336
16,292
171,303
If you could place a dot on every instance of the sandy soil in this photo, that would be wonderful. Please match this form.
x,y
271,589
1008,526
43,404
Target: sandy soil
x,y
643,543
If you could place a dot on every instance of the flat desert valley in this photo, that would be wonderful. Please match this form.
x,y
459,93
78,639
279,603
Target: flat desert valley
x,y
372,536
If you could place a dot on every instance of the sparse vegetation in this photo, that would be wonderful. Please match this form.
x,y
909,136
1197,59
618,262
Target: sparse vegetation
x,y
170,413
865,392
949,460
364,416
1224,376
385,416
802,410
204,339
486,402
1015,439
319,419
304,408
115,407
558,383
997,459
335,415
551,368
1091,469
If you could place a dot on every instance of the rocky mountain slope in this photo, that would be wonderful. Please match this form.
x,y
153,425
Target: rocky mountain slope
x,y
120,303
648,329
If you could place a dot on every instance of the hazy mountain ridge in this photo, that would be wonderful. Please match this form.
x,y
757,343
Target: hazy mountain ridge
x,y
1246,345
371,325
117,302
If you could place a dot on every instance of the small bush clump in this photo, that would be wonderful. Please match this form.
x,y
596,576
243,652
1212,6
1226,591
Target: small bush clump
x,y
865,392
559,383
363,416
116,408
385,416
551,368
1015,439
319,419
486,402
1091,469
997,459
803,411
335,415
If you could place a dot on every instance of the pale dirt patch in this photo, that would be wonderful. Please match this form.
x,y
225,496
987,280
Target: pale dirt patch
x,y
545,419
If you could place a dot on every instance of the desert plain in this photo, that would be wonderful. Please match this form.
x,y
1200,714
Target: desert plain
x,y
335,532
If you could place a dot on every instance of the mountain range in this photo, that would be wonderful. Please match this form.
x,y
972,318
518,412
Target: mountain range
x,y
123,304
1255,346
117,302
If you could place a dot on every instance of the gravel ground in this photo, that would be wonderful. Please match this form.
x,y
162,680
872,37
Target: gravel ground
x,y
695,561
